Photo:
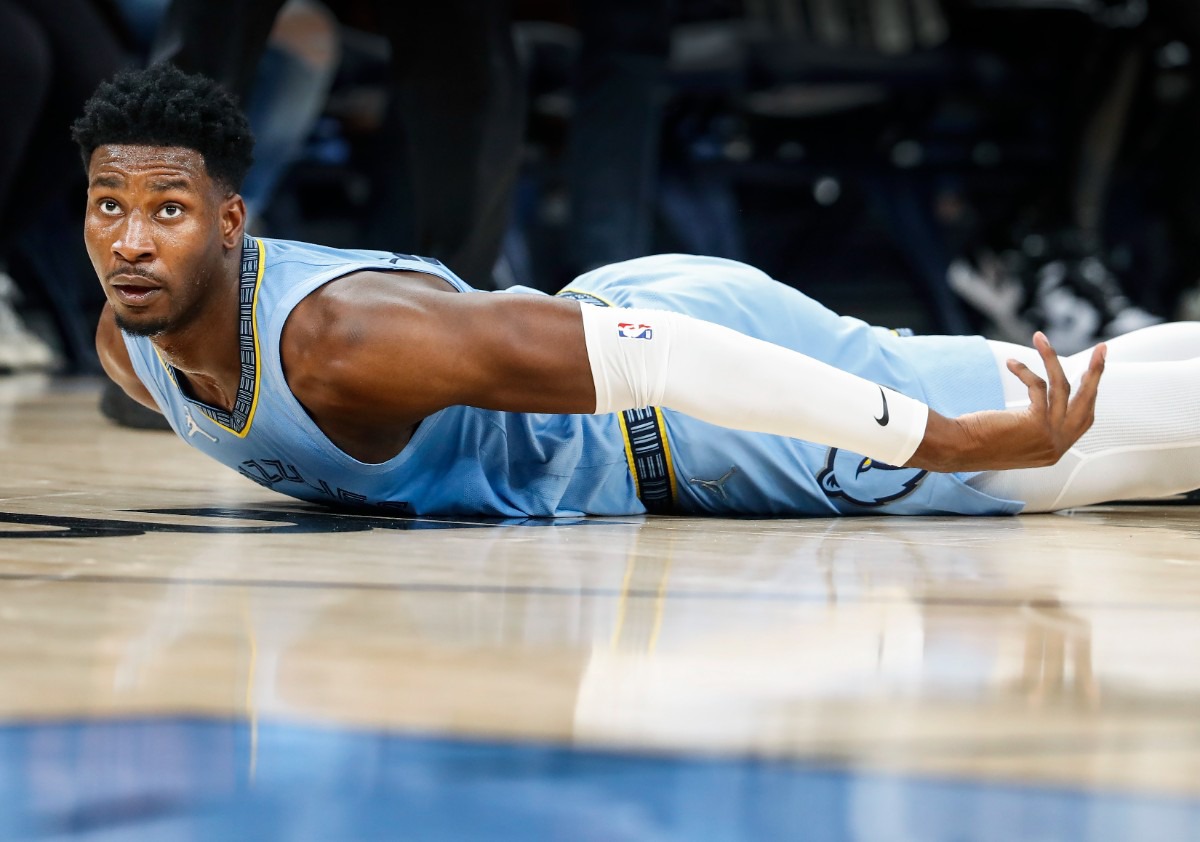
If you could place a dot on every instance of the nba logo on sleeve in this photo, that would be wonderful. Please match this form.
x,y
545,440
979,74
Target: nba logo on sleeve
x,y
628,330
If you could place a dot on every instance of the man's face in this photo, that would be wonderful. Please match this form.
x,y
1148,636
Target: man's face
x,y
156,232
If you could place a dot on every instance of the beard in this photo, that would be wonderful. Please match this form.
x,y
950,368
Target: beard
x,y
143,328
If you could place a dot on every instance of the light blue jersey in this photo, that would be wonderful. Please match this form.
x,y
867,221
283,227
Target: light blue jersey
x,y
464,460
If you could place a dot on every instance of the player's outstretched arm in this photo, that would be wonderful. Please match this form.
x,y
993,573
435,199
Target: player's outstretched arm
x,y
114,358
374,352
1028,438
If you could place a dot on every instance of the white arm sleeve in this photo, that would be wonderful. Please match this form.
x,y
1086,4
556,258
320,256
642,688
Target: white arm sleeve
x,y
643,358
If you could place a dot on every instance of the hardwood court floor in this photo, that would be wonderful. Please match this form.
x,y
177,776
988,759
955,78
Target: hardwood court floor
x,y
138,579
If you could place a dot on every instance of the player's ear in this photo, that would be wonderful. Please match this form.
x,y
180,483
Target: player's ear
x,y
232,221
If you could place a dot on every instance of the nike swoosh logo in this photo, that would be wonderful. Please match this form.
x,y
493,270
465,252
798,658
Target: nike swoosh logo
x,y
882,421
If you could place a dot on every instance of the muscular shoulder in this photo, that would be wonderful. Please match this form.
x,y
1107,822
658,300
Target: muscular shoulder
x,y
114,358
373,351
338,340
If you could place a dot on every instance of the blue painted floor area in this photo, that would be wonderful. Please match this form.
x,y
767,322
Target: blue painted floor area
x,y
184,779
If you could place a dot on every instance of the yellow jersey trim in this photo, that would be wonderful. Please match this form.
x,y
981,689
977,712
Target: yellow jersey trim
x,y
666,441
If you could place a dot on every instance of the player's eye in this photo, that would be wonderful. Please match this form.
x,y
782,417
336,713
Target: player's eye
x,y
109,206
171,211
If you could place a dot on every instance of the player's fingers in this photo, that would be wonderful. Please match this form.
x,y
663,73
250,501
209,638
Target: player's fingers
x,y
1059,386
1083,405
1035,384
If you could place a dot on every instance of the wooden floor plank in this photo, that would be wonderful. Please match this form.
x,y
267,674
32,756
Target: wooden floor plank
x,y
139,578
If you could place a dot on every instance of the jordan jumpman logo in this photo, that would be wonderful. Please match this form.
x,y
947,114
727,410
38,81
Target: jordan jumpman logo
x,y
717,486
193,427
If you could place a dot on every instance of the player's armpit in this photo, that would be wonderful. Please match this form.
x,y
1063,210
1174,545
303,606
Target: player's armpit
x,y
114,359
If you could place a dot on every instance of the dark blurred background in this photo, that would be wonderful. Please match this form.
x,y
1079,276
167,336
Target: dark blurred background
x,y
955,166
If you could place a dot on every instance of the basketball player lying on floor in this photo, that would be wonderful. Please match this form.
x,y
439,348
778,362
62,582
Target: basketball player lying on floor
x,y
664,384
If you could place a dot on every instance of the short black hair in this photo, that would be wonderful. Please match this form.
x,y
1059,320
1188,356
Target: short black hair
x,y
163,106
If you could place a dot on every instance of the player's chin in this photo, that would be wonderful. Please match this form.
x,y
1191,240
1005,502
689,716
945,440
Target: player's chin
x,y
140,323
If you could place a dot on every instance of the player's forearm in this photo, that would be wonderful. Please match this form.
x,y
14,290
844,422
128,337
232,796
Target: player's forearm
x,y
651,358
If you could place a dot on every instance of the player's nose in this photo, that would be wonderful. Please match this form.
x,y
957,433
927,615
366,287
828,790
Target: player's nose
x,y
134,242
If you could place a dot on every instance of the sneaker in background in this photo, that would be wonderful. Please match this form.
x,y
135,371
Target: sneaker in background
x,y
124,411
20,348
1076,300
1079,302
996,293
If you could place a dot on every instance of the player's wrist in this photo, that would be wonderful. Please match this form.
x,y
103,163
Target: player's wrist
x,y
947,446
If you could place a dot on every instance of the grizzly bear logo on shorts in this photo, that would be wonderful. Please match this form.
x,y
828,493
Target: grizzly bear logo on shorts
x,y
864,481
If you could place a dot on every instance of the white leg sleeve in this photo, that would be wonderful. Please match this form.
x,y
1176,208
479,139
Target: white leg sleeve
x,y
1145,441
643,358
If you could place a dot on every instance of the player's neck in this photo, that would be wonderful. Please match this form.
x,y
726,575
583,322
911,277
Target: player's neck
x,y
206,349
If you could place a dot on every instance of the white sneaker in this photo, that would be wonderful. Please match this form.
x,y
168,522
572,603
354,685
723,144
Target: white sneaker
x,y
996,293
1081,303
1076,302
20,348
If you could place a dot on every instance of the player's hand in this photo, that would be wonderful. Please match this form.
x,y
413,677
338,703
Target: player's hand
x,y
1032,437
